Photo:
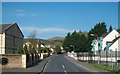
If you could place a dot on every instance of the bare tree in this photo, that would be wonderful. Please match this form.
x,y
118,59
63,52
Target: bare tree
x,y
33,34
33,41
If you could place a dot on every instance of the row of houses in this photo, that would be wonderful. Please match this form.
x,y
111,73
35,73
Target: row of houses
x,y
107,45
12,41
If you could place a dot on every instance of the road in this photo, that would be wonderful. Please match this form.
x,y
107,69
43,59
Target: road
x,y
62,63
56,64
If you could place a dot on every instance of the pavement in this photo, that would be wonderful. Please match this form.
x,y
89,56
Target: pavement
x,y
36,69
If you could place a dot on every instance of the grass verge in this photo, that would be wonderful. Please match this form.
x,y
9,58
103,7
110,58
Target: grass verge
x,y
106,67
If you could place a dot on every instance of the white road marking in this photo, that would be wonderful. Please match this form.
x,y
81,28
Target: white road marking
x,y
63,66
46,65
65,72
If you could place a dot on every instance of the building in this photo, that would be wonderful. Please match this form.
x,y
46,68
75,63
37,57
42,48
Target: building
x,y
99,45
33,43
107,47
11,38
114,47
109,38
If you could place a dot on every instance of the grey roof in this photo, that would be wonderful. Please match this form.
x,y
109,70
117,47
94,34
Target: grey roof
x,y
112,42
4,27
115,40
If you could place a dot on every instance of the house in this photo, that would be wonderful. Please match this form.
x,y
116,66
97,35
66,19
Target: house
x,y
115,47
11,38
109,37
32,43
42,46
99,45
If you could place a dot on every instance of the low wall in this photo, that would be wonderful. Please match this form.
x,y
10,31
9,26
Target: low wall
x,y
13,61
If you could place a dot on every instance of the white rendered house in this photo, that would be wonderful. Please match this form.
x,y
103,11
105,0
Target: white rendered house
x,y
109,37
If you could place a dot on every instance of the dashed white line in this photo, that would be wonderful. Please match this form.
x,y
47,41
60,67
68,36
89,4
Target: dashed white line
x,y
65,72
63,66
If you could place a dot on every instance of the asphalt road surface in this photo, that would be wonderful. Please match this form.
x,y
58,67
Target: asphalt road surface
x,y
61,63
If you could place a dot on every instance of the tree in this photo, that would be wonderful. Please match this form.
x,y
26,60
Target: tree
x,y
98,30
33,34
33,41
58,49
110,28
75,42
83,42
118,30
80,41
25,51
67,42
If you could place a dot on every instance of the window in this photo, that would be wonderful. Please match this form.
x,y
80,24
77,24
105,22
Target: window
x,y
98,44
13,40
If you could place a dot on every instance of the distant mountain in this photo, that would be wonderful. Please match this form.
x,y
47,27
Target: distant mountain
x,y
53,41
56,38
43,41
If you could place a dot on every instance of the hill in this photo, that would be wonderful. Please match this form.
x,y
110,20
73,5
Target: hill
x,y
53,41
56,38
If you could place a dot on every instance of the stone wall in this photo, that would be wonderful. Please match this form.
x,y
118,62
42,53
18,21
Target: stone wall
x,y
19,60
13,61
